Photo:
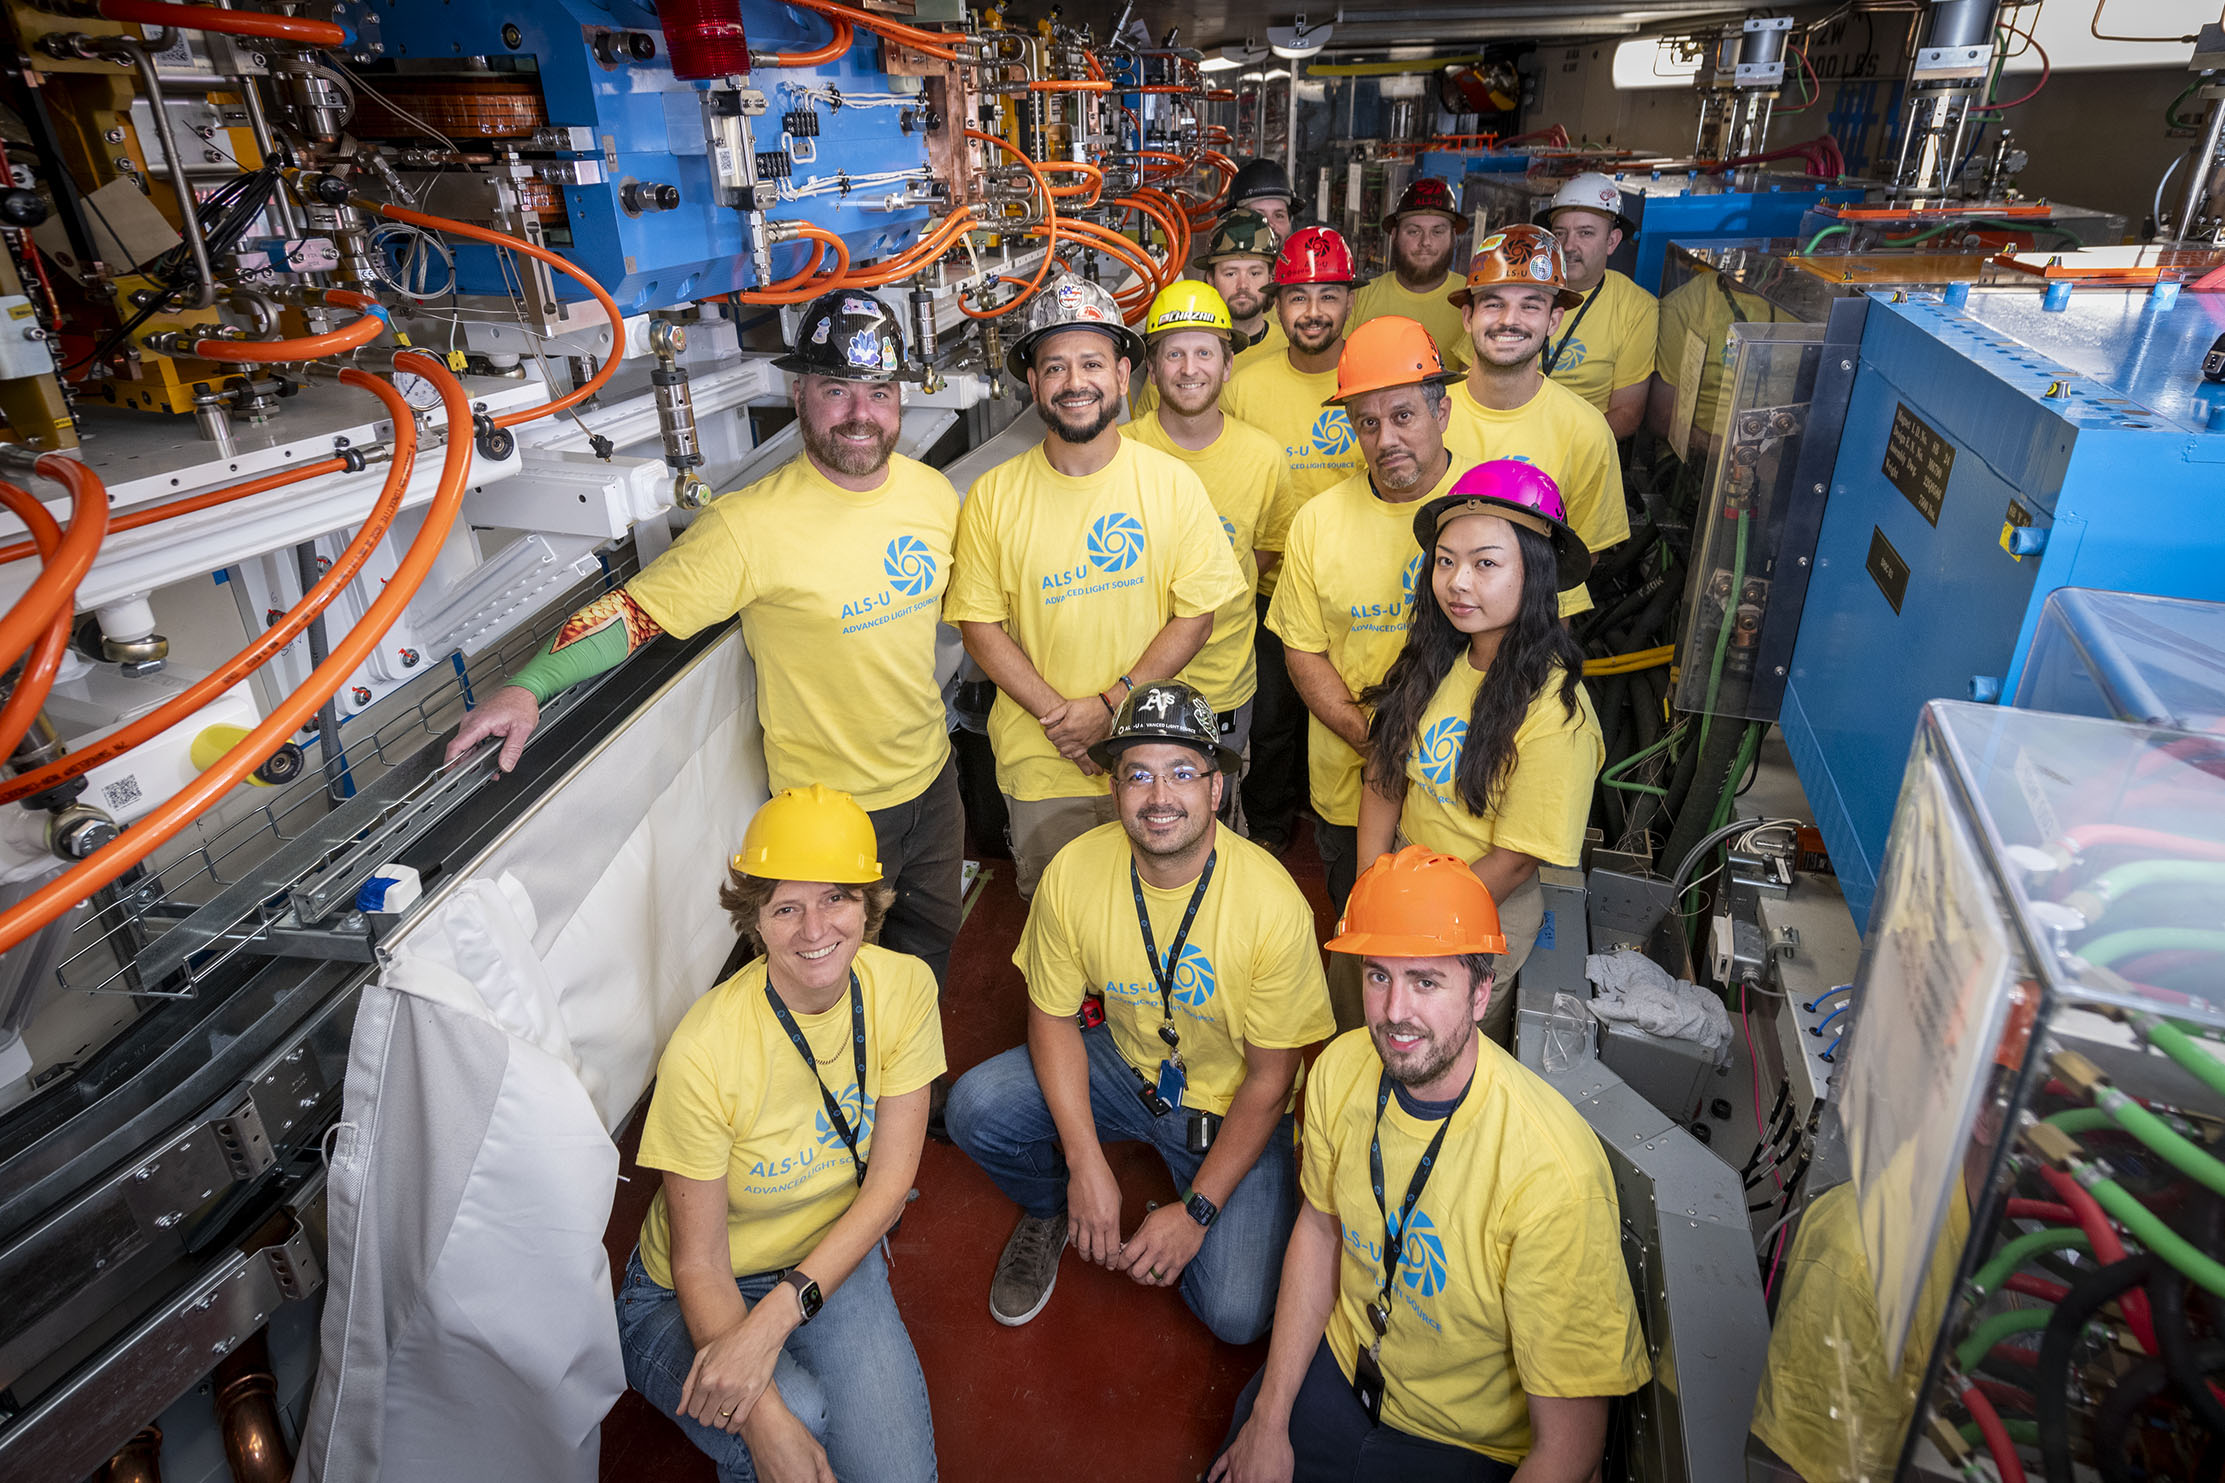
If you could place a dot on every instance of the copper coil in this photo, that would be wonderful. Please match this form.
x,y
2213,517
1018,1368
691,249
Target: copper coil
x,y
541,198
138,1461
247,1414
461,108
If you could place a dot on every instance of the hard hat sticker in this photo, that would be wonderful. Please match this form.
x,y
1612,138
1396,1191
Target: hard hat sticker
x,y
863,350
860,306
1495,240
1541,268
819,335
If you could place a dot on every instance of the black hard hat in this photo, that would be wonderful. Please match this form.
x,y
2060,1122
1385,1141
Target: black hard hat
x,y
850,336
1166,711
1259,178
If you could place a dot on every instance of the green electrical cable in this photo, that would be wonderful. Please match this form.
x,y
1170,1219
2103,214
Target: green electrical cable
x,y
2150,1231
2023,1433
1635,758
1625,787
1723,631
2175,1042
2112,946
2081,1120
1809,250
2164,1141
2016,1253
2000,1326
2112,886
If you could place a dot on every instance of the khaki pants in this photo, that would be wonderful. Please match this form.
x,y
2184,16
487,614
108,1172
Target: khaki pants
x,y
1041,827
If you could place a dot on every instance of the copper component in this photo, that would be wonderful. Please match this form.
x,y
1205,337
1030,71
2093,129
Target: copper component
x,y
461,108
541,198
247,1413
138,1461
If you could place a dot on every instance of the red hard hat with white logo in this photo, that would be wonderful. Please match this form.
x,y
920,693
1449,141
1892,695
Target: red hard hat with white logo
x,y
1518,492
1590,191
1426,196
1315,255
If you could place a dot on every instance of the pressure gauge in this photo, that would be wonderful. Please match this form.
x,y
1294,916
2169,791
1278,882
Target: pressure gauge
x,y
417,390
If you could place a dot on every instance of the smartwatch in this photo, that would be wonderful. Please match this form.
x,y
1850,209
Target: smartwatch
x,y
808,1298
1202,1210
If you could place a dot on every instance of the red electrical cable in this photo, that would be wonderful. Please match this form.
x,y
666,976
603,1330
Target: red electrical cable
x,y
271,640
2035,1287
2047,1210
2005,1460
54,590
2047,70
2108,1248
227,22
166,819
37,678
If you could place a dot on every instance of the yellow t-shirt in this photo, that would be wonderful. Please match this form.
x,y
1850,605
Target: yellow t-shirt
x,y
1350,573
1243,476
1546,798
1611,347
1513,1281
1318,447
1829,1404
1271,342
1250,972
1083,573
839,595
1701,308
1567,437
1432,310
735,1102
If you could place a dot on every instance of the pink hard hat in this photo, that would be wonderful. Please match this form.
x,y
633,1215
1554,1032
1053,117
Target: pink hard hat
x,y
1515,491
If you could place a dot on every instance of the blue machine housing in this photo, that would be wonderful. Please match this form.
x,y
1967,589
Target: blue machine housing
x,y
648,124
2045,449
1692,208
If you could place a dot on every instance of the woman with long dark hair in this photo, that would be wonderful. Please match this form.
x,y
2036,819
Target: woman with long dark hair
x,y
1484,745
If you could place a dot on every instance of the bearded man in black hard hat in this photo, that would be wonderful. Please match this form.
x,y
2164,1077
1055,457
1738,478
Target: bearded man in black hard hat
x,y
836,562
1173,985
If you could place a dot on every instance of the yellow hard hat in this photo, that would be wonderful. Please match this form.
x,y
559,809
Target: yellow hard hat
x,y
810,834
1187,304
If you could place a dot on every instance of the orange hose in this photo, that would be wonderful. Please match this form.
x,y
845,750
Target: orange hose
x,y
1049,228
799,287
159,513
1095,182
348,337
228,22
839,43
1069,85
55,588
919,255
37,679
920,41
595,382
162,823
267,643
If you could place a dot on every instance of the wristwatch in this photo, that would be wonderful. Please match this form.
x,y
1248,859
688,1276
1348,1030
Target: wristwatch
x,y
1202,1210
808,1298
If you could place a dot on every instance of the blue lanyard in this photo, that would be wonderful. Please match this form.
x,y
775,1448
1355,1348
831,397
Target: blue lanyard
x,y
1394,1236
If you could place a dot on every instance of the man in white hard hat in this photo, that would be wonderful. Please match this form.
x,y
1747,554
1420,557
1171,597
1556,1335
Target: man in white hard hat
x,y
1603,350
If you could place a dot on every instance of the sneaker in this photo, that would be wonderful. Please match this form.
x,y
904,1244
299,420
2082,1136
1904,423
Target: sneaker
x,y
1028,1270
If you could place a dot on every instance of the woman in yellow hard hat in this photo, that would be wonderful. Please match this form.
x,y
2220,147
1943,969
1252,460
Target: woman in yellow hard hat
x,y
789,1114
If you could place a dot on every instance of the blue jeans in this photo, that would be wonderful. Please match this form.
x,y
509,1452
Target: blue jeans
x,y
849,1375
1334,1442
998,1116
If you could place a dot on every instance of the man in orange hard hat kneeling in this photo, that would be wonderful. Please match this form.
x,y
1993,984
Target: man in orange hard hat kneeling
x,y
1454,1304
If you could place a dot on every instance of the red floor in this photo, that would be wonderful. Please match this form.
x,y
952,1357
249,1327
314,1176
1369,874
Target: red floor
x,y
1111,1380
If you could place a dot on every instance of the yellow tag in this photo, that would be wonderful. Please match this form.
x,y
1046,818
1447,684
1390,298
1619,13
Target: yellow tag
x,y
457,360
2017,518
20,311
400,338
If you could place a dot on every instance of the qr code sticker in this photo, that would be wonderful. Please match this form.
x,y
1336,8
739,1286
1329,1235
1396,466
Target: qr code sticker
x,y
122,793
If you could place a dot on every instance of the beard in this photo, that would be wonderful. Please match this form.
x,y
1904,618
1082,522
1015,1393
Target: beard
x,y
1422,1065
1245,303
1189,829
1402,476
1097,416
1313,334
1424,270
852,459
1507,354
1189,403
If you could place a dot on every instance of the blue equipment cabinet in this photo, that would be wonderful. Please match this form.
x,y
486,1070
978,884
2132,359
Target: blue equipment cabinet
x,y
1696,209
1993,453
645,125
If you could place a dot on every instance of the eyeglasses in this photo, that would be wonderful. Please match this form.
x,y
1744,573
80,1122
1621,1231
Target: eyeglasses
x,y
1181,775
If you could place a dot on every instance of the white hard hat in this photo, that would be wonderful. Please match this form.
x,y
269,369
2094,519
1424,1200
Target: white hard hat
x,y
1592,191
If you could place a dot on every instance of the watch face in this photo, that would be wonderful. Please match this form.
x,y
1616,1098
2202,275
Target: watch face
x,y
808,1298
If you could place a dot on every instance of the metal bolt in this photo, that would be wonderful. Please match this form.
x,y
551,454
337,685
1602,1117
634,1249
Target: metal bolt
x,y
1846,365
164,1222
1803,561
33,332
114,136
1780,671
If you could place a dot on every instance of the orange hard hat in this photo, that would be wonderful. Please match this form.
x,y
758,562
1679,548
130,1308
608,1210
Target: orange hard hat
x,y
1418,904
1524,255
1390,350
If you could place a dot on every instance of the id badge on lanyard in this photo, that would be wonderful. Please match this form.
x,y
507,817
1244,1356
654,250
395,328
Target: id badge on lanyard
x,y
1164,1095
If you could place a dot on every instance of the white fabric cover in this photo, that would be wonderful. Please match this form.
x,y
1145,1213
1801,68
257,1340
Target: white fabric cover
x,y
468,1330
1635,990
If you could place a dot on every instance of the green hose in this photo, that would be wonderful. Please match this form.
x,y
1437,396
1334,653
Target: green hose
x,y
2150,1231
2175,1042
2016,1253
2110,947
1991,1332
2081,1120
1723,630
1809,250
2023,1433
2164,1141
2114,885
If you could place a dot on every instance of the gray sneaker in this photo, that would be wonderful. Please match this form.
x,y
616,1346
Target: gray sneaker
x,y
1028,1270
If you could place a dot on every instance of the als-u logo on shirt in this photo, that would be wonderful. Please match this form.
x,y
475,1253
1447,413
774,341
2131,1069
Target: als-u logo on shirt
x,y
857,1109
1194,982
1115,542
910,566
1437,750
1422,1258
1332,432
1411,580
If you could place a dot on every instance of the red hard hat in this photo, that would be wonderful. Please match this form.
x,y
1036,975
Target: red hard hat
x,y
1427,194
1315,255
